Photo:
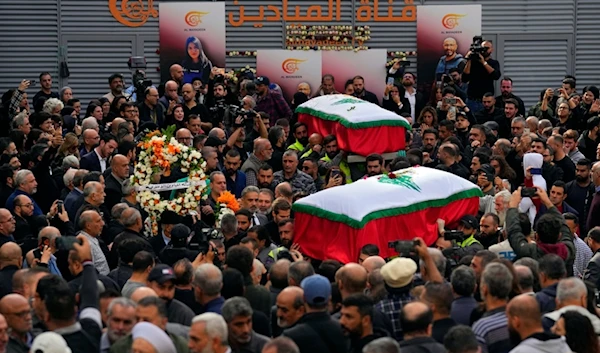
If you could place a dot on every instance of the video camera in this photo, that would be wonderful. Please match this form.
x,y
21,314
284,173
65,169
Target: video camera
x,y
140,82
404,248
456,235
477,47
248,116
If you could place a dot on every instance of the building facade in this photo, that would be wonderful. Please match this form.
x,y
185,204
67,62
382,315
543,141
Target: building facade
x,y
537,42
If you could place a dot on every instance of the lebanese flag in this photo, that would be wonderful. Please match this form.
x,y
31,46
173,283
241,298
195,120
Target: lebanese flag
x,y
355,123
335,223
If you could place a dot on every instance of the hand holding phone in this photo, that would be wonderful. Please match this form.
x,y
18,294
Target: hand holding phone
x,y
390,81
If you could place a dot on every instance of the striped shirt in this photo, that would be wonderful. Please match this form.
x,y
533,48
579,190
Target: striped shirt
x,y
491,332
583,254
98,257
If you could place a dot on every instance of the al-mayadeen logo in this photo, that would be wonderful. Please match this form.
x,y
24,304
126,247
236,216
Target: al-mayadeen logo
x,y
450,21
290,66
194,18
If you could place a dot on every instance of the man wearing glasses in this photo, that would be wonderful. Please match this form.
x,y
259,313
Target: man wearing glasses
x,y
22,209
7,226
17,311
184,136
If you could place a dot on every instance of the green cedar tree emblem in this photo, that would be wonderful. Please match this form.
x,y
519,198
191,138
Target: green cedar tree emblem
x,y
403,178
348,100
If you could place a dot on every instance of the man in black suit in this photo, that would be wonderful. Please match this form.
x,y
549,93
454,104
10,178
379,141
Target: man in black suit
x,y
131,219
361,92
410,97
11,259
119,171
167,220
97,160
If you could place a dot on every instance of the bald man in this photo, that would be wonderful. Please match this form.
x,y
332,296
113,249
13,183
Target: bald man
x,y
150,109
11,259
113,184
373,263
176,72
3,333
7,226
114,125
284,191
141,293
416,319
46,236
17,312
352,279
450,60
290,308
184,136
525,326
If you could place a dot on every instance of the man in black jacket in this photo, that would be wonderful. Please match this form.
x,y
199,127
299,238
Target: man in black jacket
x,y
356,320
416,319
592,272
83,334
132,220
316,331
11,259
361,92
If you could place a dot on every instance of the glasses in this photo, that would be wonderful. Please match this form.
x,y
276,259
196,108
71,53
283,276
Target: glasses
x,y
21,315
184,138
26,205
11,219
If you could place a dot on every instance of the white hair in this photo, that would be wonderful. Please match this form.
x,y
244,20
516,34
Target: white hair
x,y
570,289
52,103
70,161
258,267
69,175
215,326
21,175
504,194
89,123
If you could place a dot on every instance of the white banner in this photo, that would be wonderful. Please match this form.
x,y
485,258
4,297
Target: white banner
x,y
170,186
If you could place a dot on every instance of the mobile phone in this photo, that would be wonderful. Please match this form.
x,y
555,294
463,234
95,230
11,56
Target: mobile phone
x,y
66,243
526,130
37,253
390,81
528,192
451,101
32,82
59,206
220,71
335,173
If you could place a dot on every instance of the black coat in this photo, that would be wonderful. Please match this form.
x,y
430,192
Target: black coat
x,y
91,162
127,234
318,332
113,192
592,271
6,276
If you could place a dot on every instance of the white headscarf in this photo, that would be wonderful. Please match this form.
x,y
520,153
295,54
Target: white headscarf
x,y
534,160
158,338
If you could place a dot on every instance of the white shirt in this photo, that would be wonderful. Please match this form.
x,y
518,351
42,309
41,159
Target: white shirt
x,y
98,257
102,161
412,99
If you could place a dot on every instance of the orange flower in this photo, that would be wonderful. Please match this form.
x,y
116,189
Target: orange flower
x,y
229,200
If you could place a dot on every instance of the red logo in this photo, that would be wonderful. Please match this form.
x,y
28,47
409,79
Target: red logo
x,y
450,21
291,65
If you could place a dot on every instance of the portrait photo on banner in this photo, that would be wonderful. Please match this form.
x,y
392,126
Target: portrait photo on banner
x,y
192,34
444,36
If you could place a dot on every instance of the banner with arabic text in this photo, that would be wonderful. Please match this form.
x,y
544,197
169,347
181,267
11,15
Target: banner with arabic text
x,y
192,34
444,36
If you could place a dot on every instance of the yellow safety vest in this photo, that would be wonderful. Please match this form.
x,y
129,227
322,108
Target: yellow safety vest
x,y
469,241
344,167
297,146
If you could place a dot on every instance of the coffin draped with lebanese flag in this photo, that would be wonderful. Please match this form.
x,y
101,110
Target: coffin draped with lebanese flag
x,y
361,127
335,223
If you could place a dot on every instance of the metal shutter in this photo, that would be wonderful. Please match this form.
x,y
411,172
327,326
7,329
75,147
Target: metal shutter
x,y
588,28
535,62
30,42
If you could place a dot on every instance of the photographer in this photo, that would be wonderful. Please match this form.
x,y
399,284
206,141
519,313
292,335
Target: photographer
x,y
480,72
222,110
463,238
454,80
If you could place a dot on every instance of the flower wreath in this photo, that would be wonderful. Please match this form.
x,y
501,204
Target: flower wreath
x,y
227,204
160,153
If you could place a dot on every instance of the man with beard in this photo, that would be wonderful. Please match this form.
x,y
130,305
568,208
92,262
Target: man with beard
x,y
265,201
409,96
208,334
506,87
301,136
505,122
581,190
160,279
374,164
286,232
265,177
263,151
430,146
480,72
450,60
485,177
190,107
236,179
525,328
311,167
271,101
290,306
121,319
282,209
334,157
360,92
170,97
448,155
489,112
249,201
356,320
115,81
501,200
242,338
488,230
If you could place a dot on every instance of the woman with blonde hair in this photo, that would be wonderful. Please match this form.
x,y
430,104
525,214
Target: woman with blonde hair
x,y
427,119
69,147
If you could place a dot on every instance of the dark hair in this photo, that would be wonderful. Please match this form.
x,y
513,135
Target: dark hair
x,y
297,125
233,283
369,249
47,283
463,281
125,147
232,153
110,293
266,166
129,248
431,131
461,339
328,268
594,234
141,261
553,266
240,258
281,205
60,302
157,302
299,270
283,222
375,157
548,228
448,90
362,302
580,333
593,122
486,257
91,176
329,139
245,212
6,171
261,234
571,217
420,323
440,295
584,162
483,158
511,101
506,78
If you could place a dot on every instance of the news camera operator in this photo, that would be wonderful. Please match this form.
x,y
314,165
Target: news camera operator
x,y
480,72
463,238
222,108
454,80
248,126
416,250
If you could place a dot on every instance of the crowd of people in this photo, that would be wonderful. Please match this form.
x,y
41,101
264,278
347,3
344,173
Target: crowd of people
x,y
80,270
